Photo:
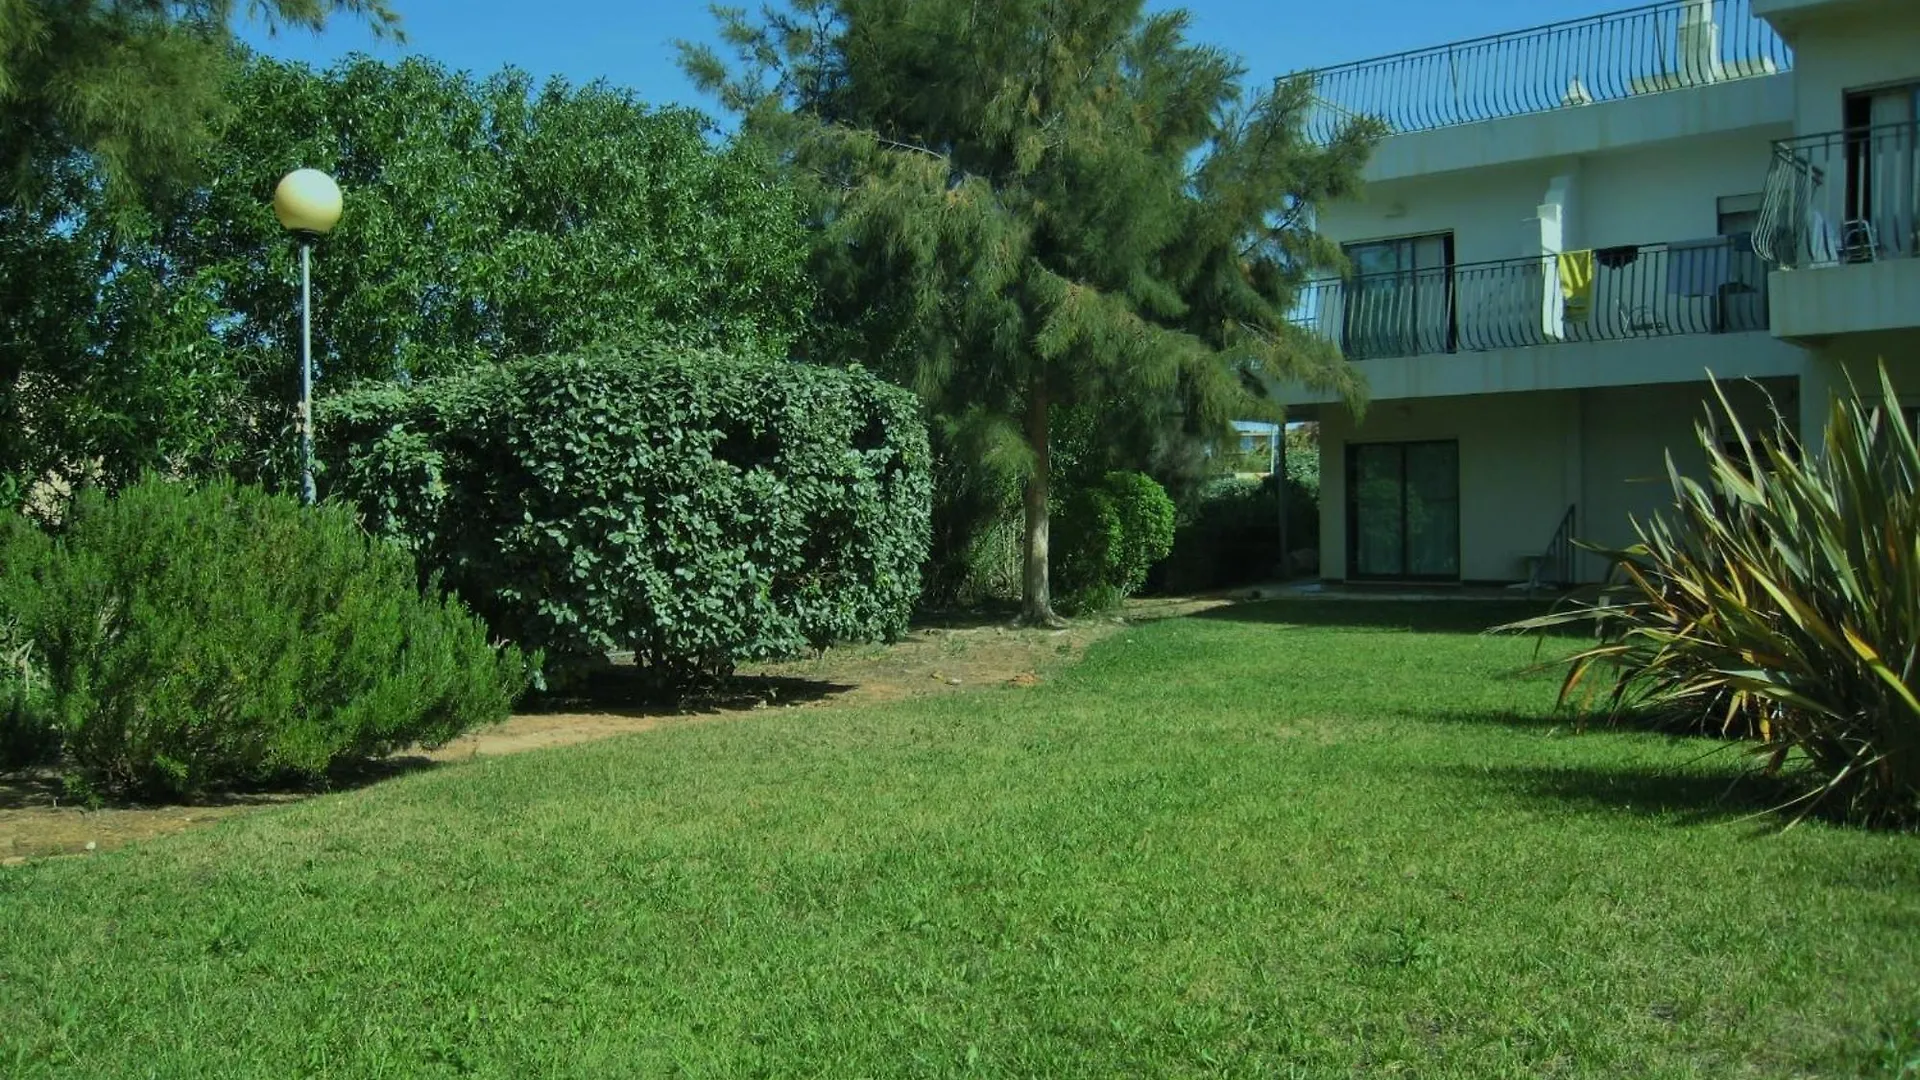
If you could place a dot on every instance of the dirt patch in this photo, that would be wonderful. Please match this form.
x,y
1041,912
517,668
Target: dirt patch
x,y
944,655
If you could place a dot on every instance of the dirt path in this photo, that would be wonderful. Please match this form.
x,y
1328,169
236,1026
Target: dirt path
x,y
940,657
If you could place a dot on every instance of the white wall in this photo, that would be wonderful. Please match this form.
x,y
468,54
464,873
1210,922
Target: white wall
x,y
1639,196
1524,458
1659,118
1837,49
1568,366
1513,473
1628,433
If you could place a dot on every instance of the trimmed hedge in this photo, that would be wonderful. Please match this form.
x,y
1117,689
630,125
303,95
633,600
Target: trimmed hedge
x,y
697,509
175,638
1111,534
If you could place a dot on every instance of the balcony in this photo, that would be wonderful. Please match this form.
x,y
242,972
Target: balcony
x,y
1842,197
1841,221
1666,46
1613,294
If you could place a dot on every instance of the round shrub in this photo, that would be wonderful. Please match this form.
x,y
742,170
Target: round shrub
x,y
198,636
695,508
1110,534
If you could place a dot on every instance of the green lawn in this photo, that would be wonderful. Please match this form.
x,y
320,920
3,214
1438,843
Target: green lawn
x,y
1288,841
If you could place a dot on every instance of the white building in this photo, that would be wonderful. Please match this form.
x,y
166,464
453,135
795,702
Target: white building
x,y
1567,230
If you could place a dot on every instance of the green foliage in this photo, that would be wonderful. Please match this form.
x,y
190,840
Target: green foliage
x,y
133,86
694,508
200,636
1091,211
1111,533
1303,470
483,219
27,732
1231,534
1781,600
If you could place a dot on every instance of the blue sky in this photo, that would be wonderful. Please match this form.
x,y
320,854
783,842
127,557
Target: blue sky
x,y
630,43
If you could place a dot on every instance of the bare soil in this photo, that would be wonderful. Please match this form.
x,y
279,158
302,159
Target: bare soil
x,y
943,655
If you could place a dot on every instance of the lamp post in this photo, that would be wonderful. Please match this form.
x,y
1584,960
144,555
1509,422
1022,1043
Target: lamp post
x,y
307,202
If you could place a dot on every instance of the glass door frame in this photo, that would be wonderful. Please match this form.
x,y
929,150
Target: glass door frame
x,y
1352,494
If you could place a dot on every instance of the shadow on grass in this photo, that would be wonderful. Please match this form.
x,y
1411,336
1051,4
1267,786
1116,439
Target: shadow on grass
x,y
625,690
43,787
1691,797
1464,616
1508,718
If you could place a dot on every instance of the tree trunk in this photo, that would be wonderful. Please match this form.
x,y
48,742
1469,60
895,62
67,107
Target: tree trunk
x,y
1036,593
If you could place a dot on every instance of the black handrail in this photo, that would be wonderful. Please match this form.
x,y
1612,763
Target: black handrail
x,y
1636,291
1663,46
1842,197
1556,564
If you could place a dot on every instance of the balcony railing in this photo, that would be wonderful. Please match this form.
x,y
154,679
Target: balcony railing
x,y
1842,197
1644,50
1644,291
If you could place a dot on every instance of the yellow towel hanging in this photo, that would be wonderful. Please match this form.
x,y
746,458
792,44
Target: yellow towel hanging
x,y
1576,283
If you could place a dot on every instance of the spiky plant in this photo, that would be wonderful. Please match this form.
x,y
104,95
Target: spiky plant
x,y
1779,601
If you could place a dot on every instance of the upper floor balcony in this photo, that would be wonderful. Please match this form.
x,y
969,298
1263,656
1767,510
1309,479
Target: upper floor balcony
x,y
1660,290
1842,197
1841,221
1666,46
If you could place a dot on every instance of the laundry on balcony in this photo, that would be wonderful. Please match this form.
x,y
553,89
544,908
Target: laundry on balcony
x,y
1699,268
1576,284
1616,258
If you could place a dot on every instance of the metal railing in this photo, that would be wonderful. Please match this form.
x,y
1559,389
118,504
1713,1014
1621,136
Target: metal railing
x,y
1555,566
1842,197
1637,291
1665,46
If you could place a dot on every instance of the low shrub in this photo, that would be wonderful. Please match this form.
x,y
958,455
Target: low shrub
x,y
1779,600
696,509
1106,537
197,636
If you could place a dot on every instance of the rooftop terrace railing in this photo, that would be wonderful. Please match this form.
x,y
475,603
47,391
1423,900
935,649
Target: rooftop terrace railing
x,y
1643,50
1636,291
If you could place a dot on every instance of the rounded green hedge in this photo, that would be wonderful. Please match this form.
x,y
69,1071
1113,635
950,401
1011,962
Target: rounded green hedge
x,y
694,508
1109,535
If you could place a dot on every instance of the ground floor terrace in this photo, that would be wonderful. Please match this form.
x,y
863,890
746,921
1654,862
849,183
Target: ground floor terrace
x,y
1490,488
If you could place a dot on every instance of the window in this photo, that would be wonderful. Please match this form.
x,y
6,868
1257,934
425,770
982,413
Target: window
x,y
1739,214
1741,298
1399,301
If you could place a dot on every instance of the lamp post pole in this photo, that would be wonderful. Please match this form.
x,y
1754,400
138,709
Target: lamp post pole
x,y
308,494
307,202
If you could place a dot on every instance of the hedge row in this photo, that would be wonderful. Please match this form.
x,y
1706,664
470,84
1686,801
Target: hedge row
x,y
696,509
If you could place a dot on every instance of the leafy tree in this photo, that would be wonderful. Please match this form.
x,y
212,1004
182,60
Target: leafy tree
x,y
1029,204
133,85
484,219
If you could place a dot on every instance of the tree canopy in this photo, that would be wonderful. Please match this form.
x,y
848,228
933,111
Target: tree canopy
x,y
1021,205
485,218
134,85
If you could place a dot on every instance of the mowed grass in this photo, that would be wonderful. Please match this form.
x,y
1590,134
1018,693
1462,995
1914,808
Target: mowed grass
x,y
1312,840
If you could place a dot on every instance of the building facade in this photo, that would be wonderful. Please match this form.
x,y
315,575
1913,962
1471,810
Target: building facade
x,y
1569,230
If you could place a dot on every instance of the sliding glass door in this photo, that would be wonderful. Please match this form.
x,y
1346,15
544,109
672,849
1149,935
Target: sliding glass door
x,y
1403,511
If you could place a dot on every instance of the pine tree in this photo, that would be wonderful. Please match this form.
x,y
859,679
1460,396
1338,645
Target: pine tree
x,y
1024,204
132,85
